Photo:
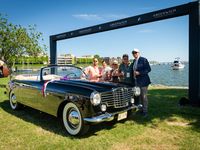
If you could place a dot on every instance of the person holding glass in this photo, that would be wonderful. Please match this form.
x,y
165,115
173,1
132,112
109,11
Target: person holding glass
x,y
115,72
124,70
105,71
140,69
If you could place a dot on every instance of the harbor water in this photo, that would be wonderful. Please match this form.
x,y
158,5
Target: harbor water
x,y
163,74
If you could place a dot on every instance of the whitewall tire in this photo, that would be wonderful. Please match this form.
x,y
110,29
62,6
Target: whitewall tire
x,y
73,120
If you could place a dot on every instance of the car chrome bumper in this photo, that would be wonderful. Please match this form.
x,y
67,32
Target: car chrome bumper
x,y
110,116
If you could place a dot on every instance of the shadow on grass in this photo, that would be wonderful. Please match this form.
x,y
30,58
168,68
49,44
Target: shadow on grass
x,y
48,122
163,104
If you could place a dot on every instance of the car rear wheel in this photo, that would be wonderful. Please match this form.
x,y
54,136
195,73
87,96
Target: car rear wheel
x,y
13,101
73,120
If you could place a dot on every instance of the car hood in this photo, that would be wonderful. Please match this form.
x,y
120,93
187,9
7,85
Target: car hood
x,y
93,86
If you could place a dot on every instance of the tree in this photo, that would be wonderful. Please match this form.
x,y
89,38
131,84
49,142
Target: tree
x,y
17,41
98,57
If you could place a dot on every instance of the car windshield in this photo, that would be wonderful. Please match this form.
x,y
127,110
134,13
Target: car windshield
x,y
62,73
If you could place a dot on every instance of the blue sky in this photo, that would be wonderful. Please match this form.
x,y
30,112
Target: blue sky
x,y
161,41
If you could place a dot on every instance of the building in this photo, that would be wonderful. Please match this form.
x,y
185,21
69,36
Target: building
x,y
88,56
65,59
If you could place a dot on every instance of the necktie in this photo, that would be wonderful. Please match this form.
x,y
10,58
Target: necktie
x,y
135,64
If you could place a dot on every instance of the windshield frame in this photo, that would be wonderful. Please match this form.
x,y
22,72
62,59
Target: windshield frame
x,y
58,66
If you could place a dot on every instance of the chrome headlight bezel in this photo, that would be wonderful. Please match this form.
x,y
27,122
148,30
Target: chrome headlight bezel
x,y
136,91
95,98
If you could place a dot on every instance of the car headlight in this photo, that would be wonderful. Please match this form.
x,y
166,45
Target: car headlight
x,y
136,91
95,98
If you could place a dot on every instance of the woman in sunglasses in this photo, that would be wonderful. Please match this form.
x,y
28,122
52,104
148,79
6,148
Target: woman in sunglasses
x,y
115,72
93,72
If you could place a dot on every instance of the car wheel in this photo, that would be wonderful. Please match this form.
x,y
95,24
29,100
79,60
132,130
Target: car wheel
x,y
73,120
13,101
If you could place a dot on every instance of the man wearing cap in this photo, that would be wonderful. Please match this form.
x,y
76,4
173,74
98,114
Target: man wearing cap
x,y
140,69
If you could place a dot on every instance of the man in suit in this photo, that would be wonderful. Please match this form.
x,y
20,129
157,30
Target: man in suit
x,y
140,69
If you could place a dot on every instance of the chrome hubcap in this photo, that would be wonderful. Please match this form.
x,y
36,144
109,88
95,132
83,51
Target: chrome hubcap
x,y
74,118
13,99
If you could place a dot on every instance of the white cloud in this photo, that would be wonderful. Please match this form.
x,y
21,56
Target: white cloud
x,y
99,17
87,16
115,16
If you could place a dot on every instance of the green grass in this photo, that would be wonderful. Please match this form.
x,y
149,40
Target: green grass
x,y
168,126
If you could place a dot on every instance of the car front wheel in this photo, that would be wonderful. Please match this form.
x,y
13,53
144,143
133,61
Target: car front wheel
x,y
73,120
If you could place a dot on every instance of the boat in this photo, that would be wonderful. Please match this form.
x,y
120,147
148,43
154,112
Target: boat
x,y
177,64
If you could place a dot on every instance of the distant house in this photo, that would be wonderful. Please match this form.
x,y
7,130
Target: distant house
x,y
65,59
88,56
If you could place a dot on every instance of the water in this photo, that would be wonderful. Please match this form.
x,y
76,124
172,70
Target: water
x,y
27,71
163,74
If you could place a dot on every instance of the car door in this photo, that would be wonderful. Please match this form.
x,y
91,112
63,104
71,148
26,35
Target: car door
x,y
27,92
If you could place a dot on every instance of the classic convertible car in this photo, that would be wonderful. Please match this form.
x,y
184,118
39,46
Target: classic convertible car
x,y
65,92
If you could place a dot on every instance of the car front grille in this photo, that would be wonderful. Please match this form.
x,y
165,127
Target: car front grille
x,y
117,98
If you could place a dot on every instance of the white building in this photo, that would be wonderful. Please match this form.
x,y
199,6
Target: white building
x,y
65,59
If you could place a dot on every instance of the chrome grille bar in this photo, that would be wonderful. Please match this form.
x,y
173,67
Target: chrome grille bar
x,y
117,98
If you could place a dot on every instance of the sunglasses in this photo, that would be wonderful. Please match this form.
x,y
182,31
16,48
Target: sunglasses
x,y
135,52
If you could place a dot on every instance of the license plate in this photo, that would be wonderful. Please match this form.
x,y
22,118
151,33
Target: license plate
x,y
122,116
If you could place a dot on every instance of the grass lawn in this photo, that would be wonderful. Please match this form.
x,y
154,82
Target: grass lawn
x,y
168,126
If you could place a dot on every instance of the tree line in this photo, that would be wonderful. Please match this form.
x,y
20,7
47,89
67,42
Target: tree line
x,y
17,41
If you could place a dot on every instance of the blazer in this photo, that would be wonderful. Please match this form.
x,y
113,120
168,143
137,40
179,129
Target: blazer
x,y
143,68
